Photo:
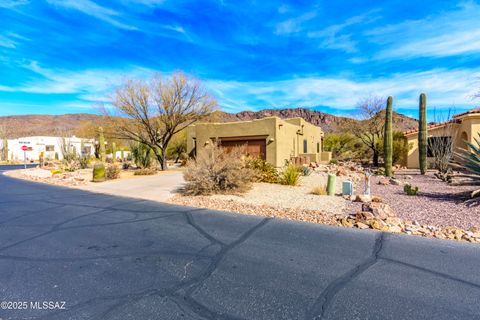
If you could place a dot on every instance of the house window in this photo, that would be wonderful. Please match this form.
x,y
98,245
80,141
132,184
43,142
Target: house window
x,y
438,146
305,146
318,147
49,148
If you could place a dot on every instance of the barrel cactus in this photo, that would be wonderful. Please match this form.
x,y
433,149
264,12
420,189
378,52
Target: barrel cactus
x,y
99,172
422,134
388,138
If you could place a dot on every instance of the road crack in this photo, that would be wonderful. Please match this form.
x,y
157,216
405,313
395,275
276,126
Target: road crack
x,y
322,303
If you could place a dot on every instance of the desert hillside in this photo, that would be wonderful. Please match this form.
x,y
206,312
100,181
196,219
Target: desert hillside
x,y
29,125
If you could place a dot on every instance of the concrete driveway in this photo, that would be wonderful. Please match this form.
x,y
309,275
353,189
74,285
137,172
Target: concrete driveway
x,y
156,188
94,256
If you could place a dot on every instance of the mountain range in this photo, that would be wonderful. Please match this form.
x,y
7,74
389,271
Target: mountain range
x,y
37,125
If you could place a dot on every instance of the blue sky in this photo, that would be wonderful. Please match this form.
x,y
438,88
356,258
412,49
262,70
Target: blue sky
x,y
66,56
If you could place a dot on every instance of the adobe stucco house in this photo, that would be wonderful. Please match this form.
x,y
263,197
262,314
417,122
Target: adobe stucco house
x,y
463,127
273,139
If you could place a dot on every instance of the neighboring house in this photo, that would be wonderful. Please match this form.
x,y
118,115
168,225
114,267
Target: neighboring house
x,y
272,139
464,127
50,147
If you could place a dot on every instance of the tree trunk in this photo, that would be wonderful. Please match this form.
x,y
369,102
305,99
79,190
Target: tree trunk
x,y
375,158
160,155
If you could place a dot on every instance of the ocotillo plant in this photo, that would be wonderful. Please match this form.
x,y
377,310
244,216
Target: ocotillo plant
x,y
422,134
101,145
114,152
388,138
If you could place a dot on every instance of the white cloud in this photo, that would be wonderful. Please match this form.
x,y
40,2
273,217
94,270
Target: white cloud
x,y
9,4
445,34
443,87
295,24
91,85
93,9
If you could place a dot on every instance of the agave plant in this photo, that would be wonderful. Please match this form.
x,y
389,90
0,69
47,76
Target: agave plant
x,y
470,159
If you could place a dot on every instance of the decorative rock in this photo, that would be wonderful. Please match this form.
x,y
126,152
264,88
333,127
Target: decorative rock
x,y
363,198
395,182
379,210
376,199
361,225
395,229
384,181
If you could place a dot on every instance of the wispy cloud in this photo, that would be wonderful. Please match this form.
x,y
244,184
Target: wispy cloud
x,y
12,3
445,88
294,25
445,34
334,36
93,9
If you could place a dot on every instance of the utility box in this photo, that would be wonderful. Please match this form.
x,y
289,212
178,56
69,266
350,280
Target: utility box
x,y
347,188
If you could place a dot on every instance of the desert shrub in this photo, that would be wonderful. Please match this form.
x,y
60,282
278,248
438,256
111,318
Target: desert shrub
x,y
217,171
399,150
142,154
333,161
264,171
340,144
71,166
409,190
290,175
84,162
319,190
112,172
145,172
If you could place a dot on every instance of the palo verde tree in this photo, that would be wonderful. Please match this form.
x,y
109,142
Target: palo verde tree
x,y
152,112
369,128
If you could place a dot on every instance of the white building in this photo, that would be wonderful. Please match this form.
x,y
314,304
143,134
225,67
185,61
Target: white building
x,y
50,147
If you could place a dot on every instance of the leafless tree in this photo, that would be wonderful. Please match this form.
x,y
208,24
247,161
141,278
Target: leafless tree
x,y
441,146
153,112
369,128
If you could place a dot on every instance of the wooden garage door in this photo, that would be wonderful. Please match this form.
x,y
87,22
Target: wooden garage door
x,y
254,148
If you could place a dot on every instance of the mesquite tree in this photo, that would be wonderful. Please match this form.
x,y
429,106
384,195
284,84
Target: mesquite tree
x,y
422,134
153,112
388,138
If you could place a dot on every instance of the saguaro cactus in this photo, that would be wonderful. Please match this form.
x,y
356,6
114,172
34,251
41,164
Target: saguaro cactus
x,y
422,134
388,138
114,152
101,145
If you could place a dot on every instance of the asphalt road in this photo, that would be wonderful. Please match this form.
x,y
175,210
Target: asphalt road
x,y
109,257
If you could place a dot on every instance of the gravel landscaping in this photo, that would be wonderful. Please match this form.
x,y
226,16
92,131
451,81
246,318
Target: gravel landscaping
x,y
436,203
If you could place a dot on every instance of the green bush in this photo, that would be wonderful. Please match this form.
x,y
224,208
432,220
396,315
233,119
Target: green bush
x,y
142,155
290,175
217,171
112,172
99,172
333,161
409,190
264,171
84,162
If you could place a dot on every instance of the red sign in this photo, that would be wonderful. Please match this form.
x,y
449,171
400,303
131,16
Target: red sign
x,y
24,148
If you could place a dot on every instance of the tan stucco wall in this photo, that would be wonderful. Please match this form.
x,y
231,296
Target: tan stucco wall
x,y
284,137
470,125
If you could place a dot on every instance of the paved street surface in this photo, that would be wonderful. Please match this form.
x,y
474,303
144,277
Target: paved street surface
x,y
158,187
110,257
